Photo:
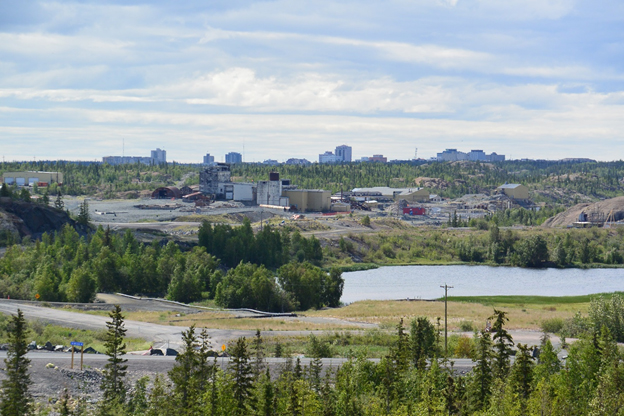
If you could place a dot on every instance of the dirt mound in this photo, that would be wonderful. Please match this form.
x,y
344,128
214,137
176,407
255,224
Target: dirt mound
x,y
571,215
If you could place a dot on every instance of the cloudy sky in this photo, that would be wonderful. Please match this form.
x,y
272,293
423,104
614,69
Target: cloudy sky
x,y
280,79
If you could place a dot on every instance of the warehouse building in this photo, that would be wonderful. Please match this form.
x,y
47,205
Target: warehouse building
x,y
387,193
30,178
309,199
514,190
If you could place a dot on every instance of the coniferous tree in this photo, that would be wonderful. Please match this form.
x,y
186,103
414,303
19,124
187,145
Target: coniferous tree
x,y
479,392
113,383
83,215
422,341
242,375
15,398
258,352
521,377
184,375
5,191
502,344
58,202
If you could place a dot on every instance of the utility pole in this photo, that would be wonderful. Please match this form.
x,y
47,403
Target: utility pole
x,y
446,288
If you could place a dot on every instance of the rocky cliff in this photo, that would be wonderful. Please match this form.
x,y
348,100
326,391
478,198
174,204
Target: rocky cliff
x,y
32,219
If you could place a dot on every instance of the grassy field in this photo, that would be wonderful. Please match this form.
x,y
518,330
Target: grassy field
x,y
464,313
523,312
225,320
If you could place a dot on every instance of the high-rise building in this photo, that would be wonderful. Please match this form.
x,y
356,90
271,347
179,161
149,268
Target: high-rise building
x,y
233,157
159,156
208,160
343,153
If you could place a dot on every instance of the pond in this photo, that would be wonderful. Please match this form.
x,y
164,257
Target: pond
x,y
423,282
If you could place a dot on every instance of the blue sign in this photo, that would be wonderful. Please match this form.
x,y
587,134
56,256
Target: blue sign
x,y
77,344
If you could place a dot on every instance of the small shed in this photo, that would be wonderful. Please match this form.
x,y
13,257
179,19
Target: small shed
x,y
166,192
514,190
414,211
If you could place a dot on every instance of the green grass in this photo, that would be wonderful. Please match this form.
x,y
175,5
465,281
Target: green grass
x,y
527,300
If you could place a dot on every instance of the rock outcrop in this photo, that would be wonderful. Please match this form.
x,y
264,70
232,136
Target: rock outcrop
x,y
33,219
571,215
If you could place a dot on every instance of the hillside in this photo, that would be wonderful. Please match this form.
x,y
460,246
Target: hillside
x,y
32,219
571,215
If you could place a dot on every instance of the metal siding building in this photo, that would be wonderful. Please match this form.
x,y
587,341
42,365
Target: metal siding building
x,y
514,190
29,178
309,199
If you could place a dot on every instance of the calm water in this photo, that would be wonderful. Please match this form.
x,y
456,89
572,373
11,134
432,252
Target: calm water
x,y
424,282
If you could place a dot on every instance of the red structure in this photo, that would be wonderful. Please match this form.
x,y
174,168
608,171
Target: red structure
x,y
414,211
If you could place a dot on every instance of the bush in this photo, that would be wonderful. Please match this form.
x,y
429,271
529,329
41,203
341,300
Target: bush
x,y
466,326
366,221
553,325
464,348
318,349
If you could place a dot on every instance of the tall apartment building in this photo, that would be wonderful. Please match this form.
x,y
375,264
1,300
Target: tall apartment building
x,y
233,157
208,160
159,156
344,153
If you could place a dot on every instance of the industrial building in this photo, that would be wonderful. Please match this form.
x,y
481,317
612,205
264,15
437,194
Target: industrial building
x,y
270,192
309,199
167,192
514,190
32,177
387,193
233,158
211,177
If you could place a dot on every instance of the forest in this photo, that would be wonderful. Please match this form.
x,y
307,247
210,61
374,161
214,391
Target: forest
x,y
414,378
68,267
484,243
553,182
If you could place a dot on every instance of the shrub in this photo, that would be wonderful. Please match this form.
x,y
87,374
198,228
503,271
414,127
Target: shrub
x,y
366,221
553,325
466,326
464,348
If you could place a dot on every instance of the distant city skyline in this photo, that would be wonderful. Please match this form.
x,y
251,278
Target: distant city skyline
x,y
538,79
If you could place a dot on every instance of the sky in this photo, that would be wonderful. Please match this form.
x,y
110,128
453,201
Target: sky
x,y
540,79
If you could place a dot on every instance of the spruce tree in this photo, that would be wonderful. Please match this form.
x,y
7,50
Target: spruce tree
x,y
502,344
184,375
58,203
242,374
83,216
258,351
480,387
15,397
113,383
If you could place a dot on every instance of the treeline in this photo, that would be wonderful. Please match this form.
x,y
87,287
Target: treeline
x,y
593,179
66,267
104,179
269,247
412,379
526,248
